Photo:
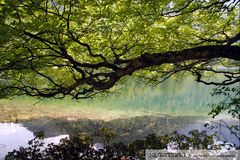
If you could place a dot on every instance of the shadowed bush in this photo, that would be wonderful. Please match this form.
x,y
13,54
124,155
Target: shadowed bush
x,y
78,148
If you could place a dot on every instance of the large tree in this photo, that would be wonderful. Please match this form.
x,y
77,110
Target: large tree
x,y
53,48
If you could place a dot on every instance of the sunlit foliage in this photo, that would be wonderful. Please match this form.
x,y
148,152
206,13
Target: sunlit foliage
x,y
54,48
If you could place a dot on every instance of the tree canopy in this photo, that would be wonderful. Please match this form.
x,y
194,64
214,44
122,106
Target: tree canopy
x,y
54,48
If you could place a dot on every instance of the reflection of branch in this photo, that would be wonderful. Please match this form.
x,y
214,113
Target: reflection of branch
x,y
235,133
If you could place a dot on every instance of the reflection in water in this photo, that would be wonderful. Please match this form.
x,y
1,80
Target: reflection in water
x,y
174,97
135,112
127,129
182,97
12,136
220,127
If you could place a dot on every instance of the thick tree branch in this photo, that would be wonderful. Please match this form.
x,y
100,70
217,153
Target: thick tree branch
x,y
74,49
96,84
156,59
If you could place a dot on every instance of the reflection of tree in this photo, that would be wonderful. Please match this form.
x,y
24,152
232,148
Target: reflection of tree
x,y
127,129
78,148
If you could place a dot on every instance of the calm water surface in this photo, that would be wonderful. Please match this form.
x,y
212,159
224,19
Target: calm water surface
x,y
138,110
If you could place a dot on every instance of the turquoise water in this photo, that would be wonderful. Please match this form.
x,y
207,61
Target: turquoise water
x,y
135,112
179,97
174,97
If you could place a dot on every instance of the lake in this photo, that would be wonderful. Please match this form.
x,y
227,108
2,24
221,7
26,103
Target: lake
x,y
137,110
